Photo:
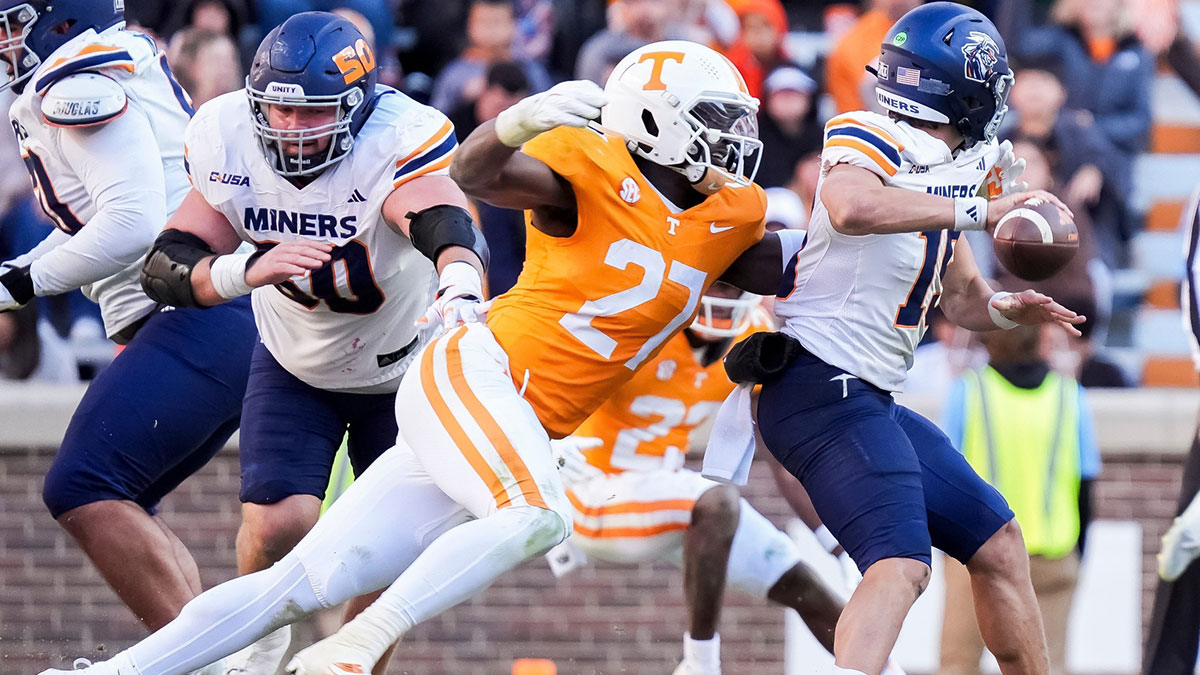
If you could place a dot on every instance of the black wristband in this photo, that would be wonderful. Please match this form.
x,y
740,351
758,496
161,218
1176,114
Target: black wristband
x,y
19,283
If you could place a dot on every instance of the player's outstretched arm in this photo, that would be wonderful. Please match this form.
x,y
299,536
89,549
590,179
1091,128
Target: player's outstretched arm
x,y
969,301
859,203
759,268
489,165
120,167
432,212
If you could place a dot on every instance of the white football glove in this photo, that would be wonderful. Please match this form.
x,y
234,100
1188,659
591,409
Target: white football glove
x,y
459,298
571,104
572,465
1002,179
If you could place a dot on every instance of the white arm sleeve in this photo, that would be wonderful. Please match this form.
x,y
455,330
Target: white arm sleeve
x,y
52,240
121,167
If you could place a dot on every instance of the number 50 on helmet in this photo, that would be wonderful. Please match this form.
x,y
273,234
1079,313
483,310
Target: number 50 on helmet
x,y
684,106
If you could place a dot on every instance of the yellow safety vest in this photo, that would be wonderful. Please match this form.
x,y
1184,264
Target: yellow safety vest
x,y
341,475
1025,442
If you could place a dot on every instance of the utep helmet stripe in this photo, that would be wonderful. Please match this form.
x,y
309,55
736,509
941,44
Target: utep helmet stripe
x,y
888,150
434,151
92,56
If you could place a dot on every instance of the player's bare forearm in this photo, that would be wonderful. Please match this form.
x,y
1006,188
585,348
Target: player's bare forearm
x,y
965,293
758,268
422,193
859,203
493,172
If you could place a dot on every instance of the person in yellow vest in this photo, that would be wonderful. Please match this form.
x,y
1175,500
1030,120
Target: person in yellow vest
x,y
1026,430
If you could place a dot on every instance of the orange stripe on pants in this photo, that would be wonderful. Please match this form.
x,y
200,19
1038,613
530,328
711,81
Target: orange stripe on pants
x,y
629,507
628,532
457,434
508,454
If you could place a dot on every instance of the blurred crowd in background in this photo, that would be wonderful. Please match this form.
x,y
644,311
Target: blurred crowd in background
x,y
1080,114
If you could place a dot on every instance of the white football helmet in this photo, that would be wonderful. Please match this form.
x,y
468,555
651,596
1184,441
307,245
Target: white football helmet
x,y
722,316
683,105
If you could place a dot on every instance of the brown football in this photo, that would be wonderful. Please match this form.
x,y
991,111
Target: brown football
x,y
1034,241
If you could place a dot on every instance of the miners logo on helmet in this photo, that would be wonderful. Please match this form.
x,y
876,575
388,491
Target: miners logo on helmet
x,y
683,105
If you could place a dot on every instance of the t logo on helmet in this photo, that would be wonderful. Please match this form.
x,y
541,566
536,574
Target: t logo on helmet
x,y
982,54
355,61
659,58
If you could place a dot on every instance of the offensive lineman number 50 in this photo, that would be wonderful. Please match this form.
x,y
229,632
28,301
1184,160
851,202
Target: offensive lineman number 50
x,y
620,255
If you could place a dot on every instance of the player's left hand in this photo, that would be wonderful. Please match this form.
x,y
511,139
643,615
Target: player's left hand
x,y
1031,308
1002,179
572,464
459,298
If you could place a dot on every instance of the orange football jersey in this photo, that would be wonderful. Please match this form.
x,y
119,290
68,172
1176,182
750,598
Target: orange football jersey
x,y
654,413
591,308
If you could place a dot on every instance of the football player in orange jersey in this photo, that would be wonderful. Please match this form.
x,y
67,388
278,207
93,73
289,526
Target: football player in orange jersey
x,y
628,226
633,502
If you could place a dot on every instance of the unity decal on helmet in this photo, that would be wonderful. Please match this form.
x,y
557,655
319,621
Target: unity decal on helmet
x,y
355,61
982,54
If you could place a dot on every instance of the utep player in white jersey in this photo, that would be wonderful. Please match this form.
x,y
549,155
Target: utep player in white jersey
x,y
320,169
100,122
882,248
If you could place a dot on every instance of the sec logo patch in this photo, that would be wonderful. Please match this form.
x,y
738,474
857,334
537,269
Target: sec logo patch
x,y
630,191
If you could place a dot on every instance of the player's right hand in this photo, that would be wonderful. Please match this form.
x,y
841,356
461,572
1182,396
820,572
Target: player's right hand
x,y
571,104
572,464
287,260
997,208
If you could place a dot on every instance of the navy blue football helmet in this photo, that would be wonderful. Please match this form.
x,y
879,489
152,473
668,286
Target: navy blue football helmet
x,y
314,59
943,62
33,29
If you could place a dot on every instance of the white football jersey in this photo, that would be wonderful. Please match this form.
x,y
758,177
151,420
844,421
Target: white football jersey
x,y
860,302
349,324
132,60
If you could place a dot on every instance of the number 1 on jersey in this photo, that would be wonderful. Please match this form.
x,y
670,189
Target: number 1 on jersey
x,y
939,248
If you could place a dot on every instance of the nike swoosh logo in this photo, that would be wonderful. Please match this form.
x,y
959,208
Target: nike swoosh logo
x,y
712,227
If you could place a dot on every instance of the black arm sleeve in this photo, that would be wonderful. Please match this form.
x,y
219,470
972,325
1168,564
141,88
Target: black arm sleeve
x,y
167,272
437,227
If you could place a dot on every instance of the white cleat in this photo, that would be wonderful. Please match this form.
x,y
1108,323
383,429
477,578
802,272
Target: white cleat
x,y
1181,543
331,656
262,657
696,668
85,667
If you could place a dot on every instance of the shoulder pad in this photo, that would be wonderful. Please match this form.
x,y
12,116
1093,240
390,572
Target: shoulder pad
x,y
83,99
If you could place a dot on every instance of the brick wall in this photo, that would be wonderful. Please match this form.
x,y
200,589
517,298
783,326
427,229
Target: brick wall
x,y
606,619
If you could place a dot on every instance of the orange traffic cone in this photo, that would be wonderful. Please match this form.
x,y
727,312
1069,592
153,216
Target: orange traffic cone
x,y
534,667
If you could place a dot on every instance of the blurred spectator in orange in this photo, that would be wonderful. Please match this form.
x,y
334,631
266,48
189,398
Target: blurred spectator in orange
x,y
1092,173
1107,73
491,26
205,63
631,24
760,48
787,124
845,76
